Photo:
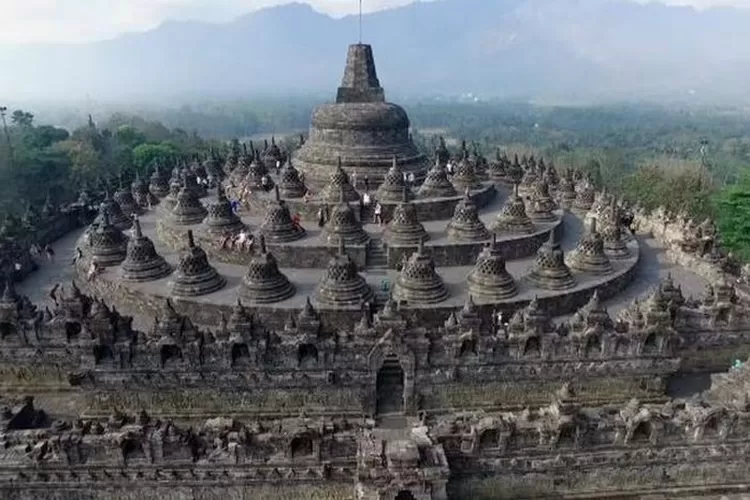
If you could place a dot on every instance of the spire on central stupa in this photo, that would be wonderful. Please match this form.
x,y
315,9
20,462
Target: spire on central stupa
x,y
360,82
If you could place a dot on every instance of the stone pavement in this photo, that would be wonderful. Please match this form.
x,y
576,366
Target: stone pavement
x,y
38,284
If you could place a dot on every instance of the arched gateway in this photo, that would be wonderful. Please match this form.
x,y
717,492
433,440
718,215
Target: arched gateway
x,y
390,387
405,495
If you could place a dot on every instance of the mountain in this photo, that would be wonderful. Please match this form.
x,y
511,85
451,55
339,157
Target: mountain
x,y
561,50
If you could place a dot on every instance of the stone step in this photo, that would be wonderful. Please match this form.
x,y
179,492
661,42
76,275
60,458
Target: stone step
x,y
377,256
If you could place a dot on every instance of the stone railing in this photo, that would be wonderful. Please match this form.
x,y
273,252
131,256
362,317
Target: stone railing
x,y
673,233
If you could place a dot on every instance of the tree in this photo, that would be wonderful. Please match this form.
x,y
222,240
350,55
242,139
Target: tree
x,y
86,161
733,217
128,136
22,118
146,155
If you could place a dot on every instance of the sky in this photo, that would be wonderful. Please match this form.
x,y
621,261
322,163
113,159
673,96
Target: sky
x,y
31,21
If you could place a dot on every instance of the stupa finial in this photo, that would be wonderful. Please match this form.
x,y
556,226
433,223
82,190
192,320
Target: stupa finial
x,y
360,82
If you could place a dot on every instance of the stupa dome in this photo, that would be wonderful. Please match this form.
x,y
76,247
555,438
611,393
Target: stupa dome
x,y
360,127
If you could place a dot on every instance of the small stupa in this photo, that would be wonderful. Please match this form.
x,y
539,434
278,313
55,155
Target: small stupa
x,y
418,282
549,271
490,281
263,283
194,275
142,263
466,225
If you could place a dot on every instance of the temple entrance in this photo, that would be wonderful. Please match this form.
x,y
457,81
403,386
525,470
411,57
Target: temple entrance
x,y
390,387
7,329
405,495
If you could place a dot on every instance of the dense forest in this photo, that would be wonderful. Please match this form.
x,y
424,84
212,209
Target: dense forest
x,y
693,159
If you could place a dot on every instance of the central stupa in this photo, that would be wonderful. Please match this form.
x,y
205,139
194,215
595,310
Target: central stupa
x,y
360,128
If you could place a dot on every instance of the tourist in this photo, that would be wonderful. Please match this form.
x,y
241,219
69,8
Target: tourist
x,y
321,217
265,182
366,201
402,264
378,213
278,167
241,238
449,168
627,220
224,241
78,255
354,179
49,253
366,181
296,220
94,270
244,241
410,179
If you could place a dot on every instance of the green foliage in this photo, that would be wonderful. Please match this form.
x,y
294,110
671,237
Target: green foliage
x,y
677,190
21,118
46,160
146,156
733,207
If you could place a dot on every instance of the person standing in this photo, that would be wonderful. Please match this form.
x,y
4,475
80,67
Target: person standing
x,y
321,217
378,213
366,181
49,253
410,179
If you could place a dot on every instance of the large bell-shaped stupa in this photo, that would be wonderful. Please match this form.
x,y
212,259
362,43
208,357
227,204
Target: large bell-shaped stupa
x,y
360,128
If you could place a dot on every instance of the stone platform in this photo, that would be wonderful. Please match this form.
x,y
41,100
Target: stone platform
x,y
304,262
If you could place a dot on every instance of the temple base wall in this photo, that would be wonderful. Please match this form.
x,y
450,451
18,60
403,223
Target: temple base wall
x,y
162,491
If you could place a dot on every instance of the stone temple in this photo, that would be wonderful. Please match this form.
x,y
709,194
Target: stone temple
x,y
488,340
361,128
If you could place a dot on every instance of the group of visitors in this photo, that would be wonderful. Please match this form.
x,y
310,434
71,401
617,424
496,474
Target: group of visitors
x,y
242,241
35,250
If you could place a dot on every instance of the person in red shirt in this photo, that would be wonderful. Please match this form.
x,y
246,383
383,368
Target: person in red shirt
x,y
296,220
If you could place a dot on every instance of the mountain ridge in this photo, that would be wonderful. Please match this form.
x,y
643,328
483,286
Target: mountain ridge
x,y
528,49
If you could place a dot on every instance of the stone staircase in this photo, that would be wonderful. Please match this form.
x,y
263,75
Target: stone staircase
x,y
377,255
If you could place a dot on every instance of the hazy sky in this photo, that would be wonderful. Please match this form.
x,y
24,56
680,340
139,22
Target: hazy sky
x,y
27,21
